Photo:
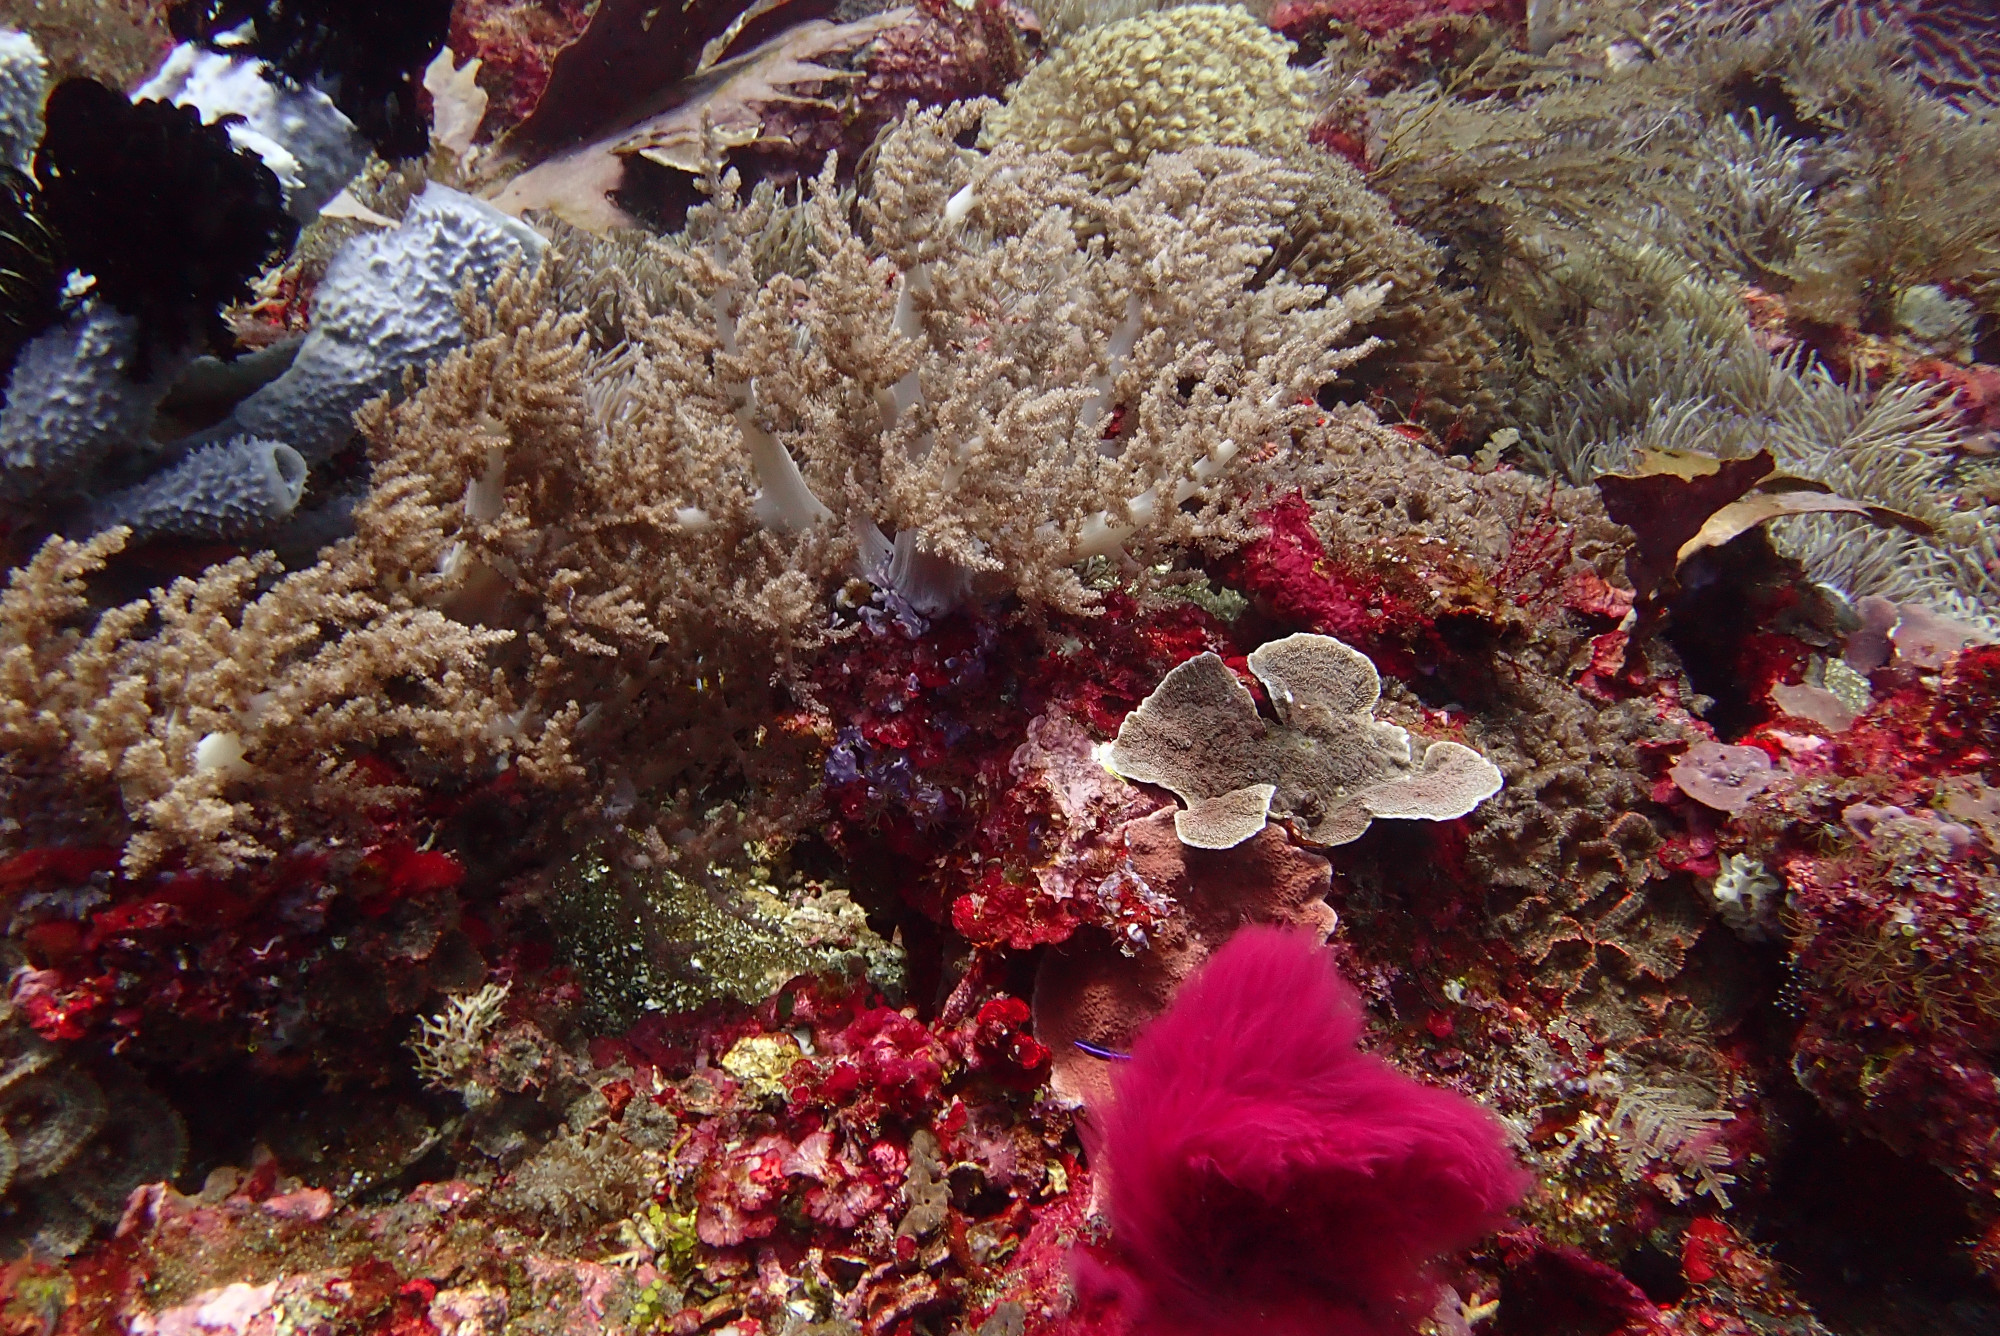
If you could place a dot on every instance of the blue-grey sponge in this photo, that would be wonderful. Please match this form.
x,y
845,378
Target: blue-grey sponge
x,y
237,489
388,303
70,405
24,85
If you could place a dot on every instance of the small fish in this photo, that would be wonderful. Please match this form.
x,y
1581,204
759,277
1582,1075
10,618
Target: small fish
x,y
1099,1051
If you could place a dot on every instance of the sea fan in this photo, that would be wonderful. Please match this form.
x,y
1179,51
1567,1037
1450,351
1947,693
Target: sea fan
x,y
1266,1177
168,217
367,55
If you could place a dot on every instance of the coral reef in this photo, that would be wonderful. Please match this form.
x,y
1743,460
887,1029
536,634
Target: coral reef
x,y
1321,672
1718,148
742,467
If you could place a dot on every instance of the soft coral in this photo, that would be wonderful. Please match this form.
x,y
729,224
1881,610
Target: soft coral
x,y
1267,1177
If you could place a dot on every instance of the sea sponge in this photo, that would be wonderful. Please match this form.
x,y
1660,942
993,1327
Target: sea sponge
x,y
1326,765
369,54
1113,96
232,490
388,304
1265,1177
70,404
24,82
296,130
1718,775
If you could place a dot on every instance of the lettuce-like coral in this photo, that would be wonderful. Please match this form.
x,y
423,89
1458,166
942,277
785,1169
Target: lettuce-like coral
x,y
1326,765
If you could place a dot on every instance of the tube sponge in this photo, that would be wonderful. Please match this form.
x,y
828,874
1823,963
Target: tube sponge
x,y
295,130
24,82
233,490
369,55
1266,1177
388,303
70,405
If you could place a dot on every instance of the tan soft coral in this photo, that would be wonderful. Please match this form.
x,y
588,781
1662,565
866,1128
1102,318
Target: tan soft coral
x,y
1436,357
219,712
210,709
603,562
961,372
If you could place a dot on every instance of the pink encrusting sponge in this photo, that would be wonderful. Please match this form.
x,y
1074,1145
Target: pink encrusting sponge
x,y
1266,1177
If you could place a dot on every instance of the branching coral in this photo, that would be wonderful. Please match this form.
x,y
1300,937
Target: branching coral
x,y
565,552
449,1045
187,708
1113,96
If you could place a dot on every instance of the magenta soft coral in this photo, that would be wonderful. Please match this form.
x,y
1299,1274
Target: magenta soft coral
x,y
1266,1177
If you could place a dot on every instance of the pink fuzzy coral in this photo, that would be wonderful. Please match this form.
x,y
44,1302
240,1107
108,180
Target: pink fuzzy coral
x,y
1266,1177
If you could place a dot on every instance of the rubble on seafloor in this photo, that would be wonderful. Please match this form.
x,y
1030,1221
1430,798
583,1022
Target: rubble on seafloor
x,y
680,670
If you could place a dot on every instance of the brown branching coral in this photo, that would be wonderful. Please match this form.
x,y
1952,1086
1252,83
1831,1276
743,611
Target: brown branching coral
x,y
1435,356
211,707
568,555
